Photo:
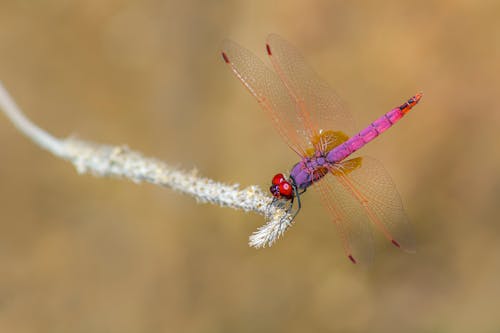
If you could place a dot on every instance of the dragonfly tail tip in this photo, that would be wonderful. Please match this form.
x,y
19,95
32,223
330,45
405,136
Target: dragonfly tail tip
x,y
418,96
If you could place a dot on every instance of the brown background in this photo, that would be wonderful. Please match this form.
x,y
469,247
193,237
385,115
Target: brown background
x,y
81,254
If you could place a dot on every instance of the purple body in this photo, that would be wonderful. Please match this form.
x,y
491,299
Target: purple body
x,y
311,169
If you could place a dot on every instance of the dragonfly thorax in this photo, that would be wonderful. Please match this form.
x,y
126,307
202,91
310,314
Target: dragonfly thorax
x,y
309,170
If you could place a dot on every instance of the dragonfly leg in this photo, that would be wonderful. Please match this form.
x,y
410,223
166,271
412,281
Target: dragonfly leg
x,y
290,206
272,203
296,195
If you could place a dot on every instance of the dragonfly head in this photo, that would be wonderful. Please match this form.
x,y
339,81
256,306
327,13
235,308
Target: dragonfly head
x,y
281,188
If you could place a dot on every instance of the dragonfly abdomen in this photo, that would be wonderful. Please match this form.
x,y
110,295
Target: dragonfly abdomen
x,y
373,130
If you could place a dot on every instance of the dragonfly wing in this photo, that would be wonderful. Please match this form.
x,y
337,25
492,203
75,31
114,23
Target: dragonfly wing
x,y
319,108
373,193
265,85
351,222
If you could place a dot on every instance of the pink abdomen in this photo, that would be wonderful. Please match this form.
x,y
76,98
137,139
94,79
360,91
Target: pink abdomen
x,y
379,126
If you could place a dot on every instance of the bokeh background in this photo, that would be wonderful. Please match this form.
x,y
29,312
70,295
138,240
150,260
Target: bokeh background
x,y
81,254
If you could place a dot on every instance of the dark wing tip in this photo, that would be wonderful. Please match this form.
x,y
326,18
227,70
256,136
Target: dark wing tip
x,y
395,243
224,56
351,258
268,48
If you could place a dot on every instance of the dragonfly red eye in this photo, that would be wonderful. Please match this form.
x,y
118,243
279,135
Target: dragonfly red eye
x,y
278,179
285,189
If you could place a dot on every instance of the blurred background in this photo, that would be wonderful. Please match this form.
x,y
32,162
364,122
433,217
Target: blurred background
x,y
81,254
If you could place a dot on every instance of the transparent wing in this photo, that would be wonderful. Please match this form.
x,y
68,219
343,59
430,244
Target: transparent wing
x,y
319,108
353,227
374,196
265,85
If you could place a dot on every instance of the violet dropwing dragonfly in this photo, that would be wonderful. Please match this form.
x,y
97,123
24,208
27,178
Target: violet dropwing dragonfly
x,y
357,192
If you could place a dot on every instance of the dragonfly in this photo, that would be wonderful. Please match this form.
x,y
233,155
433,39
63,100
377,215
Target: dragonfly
x,y
357,192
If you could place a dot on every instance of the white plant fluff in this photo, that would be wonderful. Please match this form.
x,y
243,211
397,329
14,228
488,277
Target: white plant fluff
x,y
121,162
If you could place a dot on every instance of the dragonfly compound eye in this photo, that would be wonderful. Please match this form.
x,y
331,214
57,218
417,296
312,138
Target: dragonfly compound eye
x,y
285,189
278,179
